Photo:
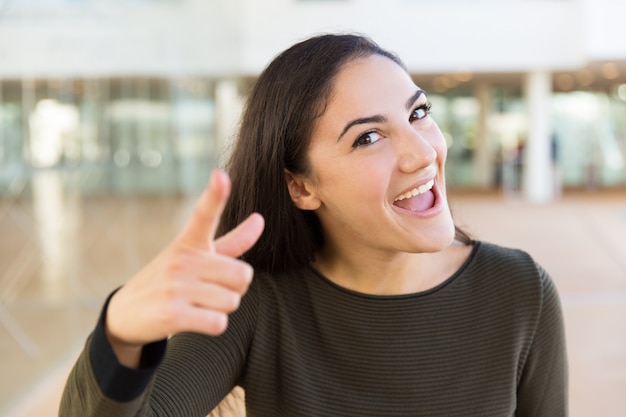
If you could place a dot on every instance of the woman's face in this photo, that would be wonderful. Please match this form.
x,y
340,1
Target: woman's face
x,y
377,165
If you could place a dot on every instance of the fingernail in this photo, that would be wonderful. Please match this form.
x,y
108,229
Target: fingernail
x,y
217,174
249,273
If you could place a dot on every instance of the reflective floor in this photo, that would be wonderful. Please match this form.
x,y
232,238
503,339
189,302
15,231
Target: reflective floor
x,y
61,253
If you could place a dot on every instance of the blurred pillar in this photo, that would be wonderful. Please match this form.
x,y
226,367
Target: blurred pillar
x,y
228,106
28,105
483,161
538,181
2,144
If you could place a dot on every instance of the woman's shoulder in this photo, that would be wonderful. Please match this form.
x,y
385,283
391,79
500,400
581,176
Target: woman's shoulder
x,y
279,287
512,268
496,258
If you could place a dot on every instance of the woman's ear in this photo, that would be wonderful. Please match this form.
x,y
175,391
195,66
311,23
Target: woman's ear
x,y
300,191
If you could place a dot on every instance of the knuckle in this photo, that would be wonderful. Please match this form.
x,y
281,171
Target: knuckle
x,y
233,300
177,263
223,322
170,317
244,275
170,289
217,324
248,273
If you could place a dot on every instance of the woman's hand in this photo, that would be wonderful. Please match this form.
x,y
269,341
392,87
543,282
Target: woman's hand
x,y
192,285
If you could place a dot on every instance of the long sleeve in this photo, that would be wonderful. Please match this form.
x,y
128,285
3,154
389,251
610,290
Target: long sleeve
x,y
199,371
99,385
542,391
188,379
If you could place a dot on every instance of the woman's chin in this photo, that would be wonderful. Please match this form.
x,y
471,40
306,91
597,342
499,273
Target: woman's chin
x,y
440,238
432,243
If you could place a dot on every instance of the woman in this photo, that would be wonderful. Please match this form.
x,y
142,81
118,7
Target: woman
x,y
366,301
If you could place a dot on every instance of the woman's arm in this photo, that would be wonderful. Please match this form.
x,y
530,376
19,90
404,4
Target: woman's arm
x,y
189,379
100,385
543,388
193,285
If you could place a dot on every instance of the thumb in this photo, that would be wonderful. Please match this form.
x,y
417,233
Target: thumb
x,y
205,218
239,240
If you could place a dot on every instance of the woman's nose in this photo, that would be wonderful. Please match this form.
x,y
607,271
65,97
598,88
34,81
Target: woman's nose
x,y
415,151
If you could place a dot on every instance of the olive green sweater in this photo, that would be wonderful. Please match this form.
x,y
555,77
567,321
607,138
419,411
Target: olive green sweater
x,y
488,342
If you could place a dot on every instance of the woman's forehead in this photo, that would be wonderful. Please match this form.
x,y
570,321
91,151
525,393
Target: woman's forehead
x,y
367,86
372,76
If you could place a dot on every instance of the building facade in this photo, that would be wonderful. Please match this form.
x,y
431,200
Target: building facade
x,y
144,96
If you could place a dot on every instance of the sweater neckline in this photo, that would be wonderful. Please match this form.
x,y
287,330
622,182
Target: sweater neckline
x,y
459,272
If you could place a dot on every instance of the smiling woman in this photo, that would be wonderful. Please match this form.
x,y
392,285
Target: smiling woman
x,y
359,298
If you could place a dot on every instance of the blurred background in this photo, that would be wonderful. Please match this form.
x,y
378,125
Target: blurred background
x,y
113,113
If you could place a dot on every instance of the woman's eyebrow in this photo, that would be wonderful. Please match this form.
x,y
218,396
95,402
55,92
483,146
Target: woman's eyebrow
x,y
360,121
413,99
379,118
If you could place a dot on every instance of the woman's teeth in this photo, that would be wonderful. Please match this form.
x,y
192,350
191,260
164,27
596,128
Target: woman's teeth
x,y
416,191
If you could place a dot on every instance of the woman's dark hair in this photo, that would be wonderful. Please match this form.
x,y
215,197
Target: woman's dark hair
x,y
274,135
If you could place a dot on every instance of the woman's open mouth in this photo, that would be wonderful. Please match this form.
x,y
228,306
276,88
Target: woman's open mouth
x,y
418,199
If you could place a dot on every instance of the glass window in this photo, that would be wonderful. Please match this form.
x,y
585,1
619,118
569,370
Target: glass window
x,y
121,135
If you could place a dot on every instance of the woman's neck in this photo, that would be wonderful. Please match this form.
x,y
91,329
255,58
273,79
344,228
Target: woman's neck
x,y
391,273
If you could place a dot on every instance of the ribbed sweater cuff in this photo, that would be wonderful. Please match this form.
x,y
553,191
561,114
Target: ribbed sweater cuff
x,y
117,381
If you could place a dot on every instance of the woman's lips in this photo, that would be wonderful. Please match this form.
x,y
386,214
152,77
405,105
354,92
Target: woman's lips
x,y
418,199
425,203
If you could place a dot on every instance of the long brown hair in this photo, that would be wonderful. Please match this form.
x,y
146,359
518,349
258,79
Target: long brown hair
x,y
274,135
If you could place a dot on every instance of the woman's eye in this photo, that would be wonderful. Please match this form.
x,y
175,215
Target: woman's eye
x,y
421,112
367,139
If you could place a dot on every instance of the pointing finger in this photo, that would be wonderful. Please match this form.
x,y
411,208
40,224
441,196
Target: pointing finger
x,y
201,228
239,240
